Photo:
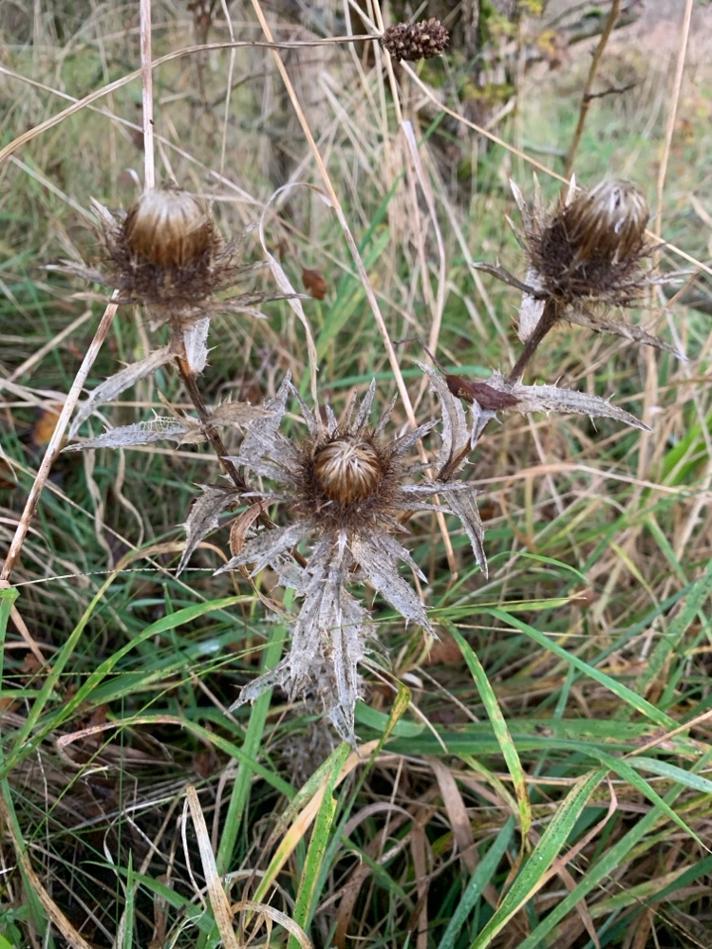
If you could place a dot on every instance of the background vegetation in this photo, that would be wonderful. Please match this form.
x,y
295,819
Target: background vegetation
x,y
541,775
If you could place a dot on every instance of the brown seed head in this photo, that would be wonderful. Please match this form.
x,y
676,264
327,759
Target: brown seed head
x,y
607,222
168,229
347,469
592,246
413,41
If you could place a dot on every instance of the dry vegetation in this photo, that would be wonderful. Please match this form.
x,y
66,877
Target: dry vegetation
x,y
540,774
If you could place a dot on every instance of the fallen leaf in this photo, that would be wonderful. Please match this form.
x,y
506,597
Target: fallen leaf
x,y
314,283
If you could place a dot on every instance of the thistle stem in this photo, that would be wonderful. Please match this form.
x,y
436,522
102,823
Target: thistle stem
x,y
216,443
211,432
546,322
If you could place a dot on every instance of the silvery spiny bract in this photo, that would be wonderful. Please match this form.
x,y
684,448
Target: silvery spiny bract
x,y
346,489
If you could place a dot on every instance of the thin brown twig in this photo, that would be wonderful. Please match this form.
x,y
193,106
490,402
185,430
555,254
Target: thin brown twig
x,y
54,446
587,97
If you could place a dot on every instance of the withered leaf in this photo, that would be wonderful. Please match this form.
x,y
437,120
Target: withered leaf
x,y
485,395
314,283
545,398
144,433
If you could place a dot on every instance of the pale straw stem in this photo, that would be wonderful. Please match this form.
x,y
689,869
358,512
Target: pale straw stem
x,y
149,168
55,443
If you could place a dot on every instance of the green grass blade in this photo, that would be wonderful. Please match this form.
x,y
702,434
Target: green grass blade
x,y
625,694
23,746
699,592
243,778
553,840
318,843
481,876
611,859
501,731
629,774
678,775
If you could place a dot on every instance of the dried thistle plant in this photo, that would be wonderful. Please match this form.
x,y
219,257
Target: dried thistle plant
x,y
414,41
592,247
166,254
346,488
590,253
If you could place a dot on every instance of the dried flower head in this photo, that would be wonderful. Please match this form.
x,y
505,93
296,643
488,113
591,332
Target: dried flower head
x,y
592,246
344,487
167,254
168,229
590,250
608,223
413,41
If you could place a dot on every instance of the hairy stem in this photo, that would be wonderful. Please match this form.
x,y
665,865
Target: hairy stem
x,y
546,322
211,433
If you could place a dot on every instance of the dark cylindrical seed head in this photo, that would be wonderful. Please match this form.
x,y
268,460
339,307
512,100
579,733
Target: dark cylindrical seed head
x,y
413,41
607,222
168,228
347,469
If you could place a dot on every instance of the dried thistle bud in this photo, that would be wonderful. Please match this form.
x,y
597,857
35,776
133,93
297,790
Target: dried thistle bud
x,y
169,229
609,221
413,41
591,247
348,469
166,254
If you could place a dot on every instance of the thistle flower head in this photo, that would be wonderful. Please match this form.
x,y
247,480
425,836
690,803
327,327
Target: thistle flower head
x,y
343,488
413,41
592,246
608,223
168,229
165,253
347,468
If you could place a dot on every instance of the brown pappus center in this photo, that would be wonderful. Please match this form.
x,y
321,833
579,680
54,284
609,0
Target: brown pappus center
x,y
347,469
168,229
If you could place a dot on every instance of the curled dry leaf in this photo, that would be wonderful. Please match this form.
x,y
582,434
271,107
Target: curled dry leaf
x,y
314,283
